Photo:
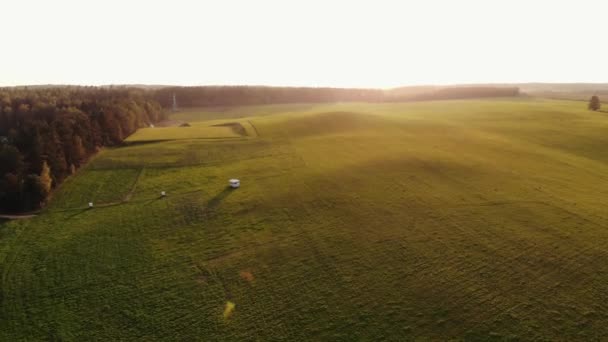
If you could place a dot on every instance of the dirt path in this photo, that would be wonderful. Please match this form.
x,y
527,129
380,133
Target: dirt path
x,y
128,196
17,217
254,128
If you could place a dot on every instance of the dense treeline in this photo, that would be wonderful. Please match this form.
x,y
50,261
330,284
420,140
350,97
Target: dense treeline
x,y
257,95
47,133
469,92
449,93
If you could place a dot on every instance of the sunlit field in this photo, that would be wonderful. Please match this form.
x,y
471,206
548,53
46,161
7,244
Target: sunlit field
x,y
432,220
180,133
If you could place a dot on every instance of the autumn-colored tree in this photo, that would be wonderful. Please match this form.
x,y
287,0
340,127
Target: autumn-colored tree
x,y
78,150
46,180
47,133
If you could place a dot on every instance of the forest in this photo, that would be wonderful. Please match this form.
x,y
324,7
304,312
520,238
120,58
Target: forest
x,y
257,95
46,134
210,96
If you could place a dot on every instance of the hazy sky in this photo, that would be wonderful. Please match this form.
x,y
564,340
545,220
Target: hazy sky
x,y
309,42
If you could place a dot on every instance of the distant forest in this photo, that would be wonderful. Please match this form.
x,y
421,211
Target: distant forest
x,y
209,96
48,133
257,95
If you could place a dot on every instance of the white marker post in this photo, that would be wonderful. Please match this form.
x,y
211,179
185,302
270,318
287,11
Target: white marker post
x,y
234,183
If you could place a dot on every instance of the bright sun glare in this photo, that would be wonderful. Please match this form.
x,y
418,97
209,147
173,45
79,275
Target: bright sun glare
x,y
307,43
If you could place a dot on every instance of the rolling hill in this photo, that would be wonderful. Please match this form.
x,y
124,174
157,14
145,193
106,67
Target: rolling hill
x,y
464,219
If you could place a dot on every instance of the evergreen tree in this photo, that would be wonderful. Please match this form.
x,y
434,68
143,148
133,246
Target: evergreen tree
x,y
594,103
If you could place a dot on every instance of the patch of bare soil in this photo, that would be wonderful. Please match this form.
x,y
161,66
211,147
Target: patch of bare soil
x,y
16,217
247,275
235,126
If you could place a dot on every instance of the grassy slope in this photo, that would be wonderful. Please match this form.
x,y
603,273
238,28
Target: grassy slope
x,y
460,219
181,133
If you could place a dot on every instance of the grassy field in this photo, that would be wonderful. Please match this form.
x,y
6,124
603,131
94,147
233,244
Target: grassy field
x,y
181,133
474,220
205,114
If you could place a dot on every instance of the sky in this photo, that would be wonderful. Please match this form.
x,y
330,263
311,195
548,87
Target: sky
x,y
376,43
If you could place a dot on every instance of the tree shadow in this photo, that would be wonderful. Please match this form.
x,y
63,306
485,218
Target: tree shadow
x,y
217,199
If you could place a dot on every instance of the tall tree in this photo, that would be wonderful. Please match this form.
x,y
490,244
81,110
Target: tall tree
x,y
594,103
77,150
11,160
46,181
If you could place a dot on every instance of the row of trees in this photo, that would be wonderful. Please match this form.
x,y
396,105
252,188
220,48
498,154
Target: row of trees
x,y
465,92
257,95
48,133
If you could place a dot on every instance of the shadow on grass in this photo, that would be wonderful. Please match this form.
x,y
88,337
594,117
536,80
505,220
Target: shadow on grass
x,y
77,212
151,201
217,199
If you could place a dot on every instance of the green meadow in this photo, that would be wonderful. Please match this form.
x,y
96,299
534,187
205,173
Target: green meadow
x,y
181,133
449,220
